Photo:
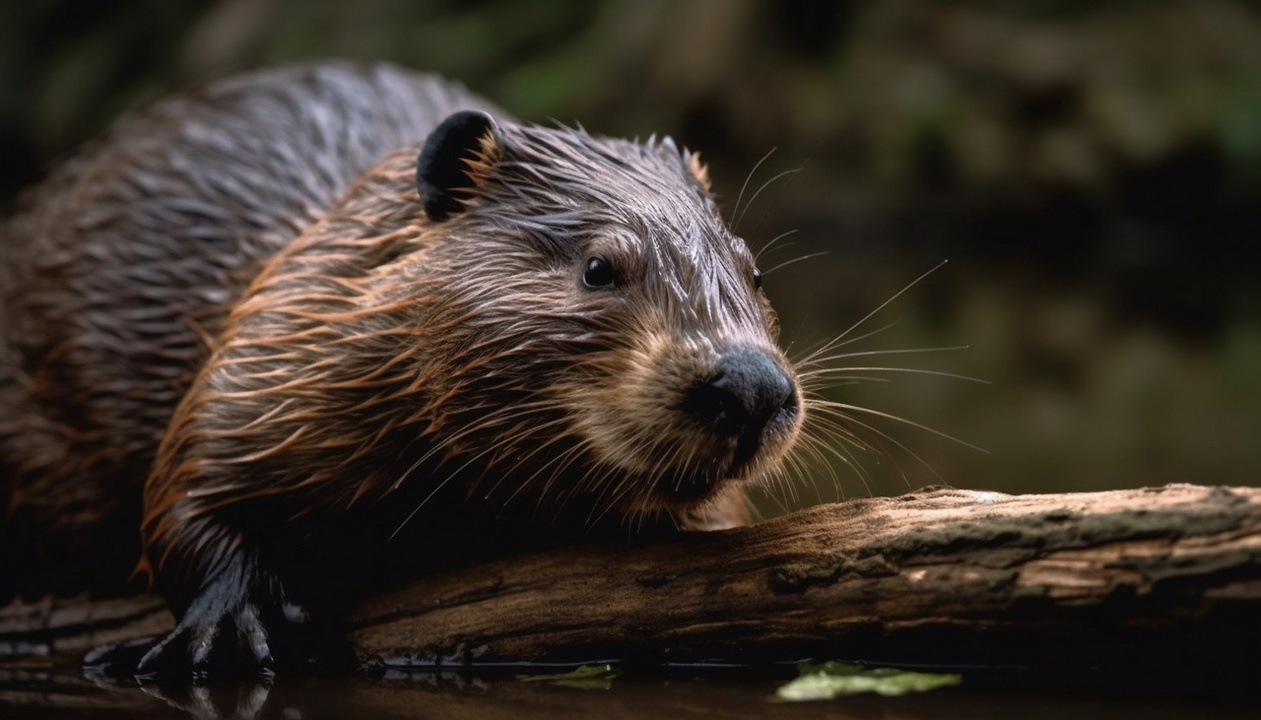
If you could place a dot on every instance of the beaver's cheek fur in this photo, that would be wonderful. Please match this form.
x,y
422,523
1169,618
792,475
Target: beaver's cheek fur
x,y
635,420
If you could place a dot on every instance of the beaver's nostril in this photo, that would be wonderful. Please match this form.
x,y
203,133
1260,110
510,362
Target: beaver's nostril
x,y
746,391
715,405
790,402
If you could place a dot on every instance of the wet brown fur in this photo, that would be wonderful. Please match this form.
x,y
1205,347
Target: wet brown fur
x,y
120,267
376,354
456,353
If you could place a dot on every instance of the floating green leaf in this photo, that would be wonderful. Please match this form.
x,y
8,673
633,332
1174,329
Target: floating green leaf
x,y
826,681
586,677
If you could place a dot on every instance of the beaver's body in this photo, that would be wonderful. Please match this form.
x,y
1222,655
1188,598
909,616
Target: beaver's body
x,y
119,270
322,353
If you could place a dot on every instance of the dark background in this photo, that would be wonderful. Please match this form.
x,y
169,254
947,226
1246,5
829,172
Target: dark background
x,y
1091,170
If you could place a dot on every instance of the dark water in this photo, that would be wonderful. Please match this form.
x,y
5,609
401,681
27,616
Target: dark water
x,y
49,690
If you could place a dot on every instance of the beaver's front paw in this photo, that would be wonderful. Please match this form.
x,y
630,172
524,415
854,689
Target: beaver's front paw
x,y
229,629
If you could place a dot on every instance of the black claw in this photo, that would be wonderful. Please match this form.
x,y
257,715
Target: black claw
x,y
148,665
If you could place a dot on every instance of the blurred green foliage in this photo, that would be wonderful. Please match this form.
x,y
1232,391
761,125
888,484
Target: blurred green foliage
x,y
1091,169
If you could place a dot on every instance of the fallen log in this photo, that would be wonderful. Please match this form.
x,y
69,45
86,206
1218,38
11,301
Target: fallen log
x,y
1118,581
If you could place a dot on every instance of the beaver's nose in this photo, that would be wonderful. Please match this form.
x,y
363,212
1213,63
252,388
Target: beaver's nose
x,y
747,391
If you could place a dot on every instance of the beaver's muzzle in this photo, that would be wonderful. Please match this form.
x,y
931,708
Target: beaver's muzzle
x,y
747,393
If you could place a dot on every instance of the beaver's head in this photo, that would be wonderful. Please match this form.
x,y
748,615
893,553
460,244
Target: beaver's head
x,y
605,326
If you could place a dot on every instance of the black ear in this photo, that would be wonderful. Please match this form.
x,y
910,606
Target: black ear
x,y
442,171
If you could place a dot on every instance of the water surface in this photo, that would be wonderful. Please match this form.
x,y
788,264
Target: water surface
x,y
56,689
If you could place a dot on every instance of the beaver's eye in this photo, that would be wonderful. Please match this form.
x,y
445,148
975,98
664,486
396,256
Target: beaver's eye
x,y
757,279
598,274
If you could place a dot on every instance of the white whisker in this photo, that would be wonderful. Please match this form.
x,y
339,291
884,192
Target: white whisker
x,y
797,259
736,210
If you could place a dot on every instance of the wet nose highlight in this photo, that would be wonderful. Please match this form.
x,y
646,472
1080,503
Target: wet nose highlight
x,y
747,390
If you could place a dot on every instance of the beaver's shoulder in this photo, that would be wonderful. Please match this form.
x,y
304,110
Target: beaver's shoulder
x,y
120,267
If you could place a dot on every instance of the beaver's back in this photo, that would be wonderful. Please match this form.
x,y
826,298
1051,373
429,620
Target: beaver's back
x,y
119,269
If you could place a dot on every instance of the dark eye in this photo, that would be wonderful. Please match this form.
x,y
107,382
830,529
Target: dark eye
x,y
598,274
757,279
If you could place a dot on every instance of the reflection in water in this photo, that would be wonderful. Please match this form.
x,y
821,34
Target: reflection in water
x,y
240,701
52,691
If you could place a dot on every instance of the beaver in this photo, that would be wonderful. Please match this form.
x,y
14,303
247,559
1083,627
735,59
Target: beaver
x,y
307,328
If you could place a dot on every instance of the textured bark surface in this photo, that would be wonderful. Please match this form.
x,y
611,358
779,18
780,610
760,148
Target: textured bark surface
x,y
949,577
1118,581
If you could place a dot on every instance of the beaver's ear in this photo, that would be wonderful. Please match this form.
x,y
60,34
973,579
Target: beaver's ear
x,y
450,163
699,169
668,149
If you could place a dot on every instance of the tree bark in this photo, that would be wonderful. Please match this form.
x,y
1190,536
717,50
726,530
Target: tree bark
x,y
1124,581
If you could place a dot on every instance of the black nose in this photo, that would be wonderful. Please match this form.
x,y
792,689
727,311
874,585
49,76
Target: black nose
x,y
747,391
